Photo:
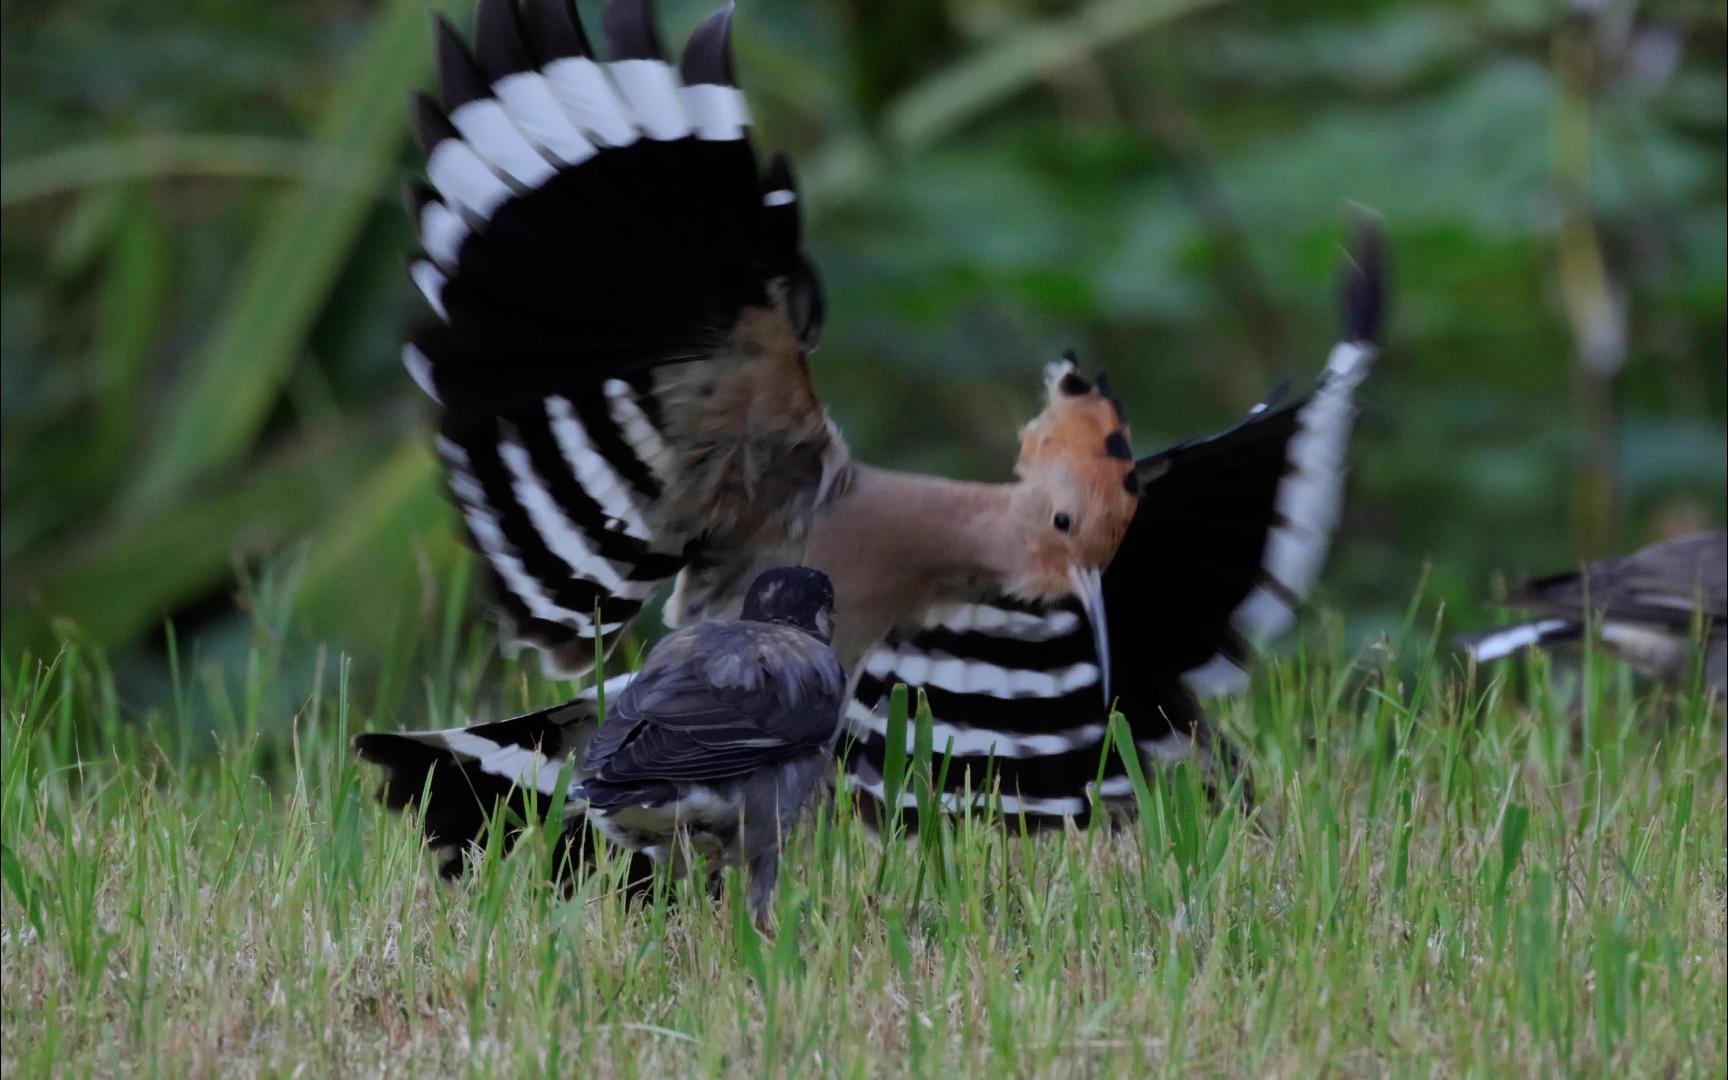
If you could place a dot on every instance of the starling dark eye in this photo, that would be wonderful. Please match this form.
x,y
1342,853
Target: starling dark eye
x,y
1062,522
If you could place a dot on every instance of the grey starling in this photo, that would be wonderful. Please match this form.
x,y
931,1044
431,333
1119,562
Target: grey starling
x,y
723,736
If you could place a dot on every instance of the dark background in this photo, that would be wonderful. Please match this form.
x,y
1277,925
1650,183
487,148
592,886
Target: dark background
x,y
204,257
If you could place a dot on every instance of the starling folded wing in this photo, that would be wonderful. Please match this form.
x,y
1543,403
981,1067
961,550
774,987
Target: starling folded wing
x,y
715,701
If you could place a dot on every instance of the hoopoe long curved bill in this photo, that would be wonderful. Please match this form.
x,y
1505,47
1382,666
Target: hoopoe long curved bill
x,y
624,318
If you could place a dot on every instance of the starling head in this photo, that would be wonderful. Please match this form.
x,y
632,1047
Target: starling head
x,y
793,595
1077,493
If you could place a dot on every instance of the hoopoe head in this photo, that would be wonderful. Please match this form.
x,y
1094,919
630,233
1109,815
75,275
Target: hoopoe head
x,y
1077,494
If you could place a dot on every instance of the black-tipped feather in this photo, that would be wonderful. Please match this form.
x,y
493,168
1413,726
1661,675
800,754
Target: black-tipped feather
x,y
1365,285
498,39
708,55
431,126
629,30
460,79
1103,383
555,30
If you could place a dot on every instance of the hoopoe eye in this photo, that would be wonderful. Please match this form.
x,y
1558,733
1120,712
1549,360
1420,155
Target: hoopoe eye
x,y
1062,521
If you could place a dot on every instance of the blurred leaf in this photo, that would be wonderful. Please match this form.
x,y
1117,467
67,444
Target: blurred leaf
x,y
230,385
1479,144
87,230
127,578
1392,46
396,534
134,296
966,90
322,167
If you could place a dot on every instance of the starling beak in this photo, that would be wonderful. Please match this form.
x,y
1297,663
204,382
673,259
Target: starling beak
x,y
1646,604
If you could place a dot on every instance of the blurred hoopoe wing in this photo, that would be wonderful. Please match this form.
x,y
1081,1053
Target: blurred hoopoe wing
x,y
1233,529
623,315
1226,543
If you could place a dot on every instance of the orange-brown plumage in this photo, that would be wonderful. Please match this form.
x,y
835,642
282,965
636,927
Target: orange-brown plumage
x,y
1079,449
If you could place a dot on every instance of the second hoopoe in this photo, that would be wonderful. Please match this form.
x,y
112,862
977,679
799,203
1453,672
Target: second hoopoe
x,y
625,315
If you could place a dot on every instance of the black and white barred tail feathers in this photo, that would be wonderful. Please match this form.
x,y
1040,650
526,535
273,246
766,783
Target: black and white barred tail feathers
x,y
1227,540
464,774
594,234
1013,690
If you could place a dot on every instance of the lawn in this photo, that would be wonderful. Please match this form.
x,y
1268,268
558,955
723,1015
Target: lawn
x,y
1441,873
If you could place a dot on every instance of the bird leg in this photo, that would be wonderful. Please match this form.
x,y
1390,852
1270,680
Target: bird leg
x,y
763,873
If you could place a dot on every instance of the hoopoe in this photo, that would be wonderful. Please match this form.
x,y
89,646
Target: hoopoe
x,y
723,735
1643,605
625,316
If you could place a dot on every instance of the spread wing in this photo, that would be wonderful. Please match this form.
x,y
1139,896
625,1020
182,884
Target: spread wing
x,y
623,314
1227,540
719,700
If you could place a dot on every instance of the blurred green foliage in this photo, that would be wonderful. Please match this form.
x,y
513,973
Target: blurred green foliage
x,y
204,285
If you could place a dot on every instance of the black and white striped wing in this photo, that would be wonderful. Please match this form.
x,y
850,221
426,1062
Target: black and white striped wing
x,y
1228,539
460,776
1016,703
1232,533
615,285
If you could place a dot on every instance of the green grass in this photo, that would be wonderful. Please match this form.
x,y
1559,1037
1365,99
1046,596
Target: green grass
x,y
1439,876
